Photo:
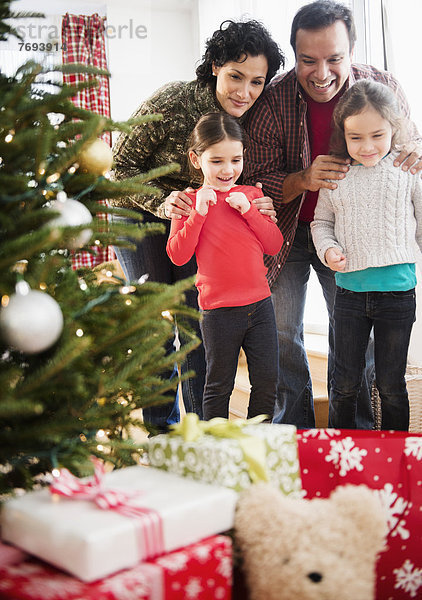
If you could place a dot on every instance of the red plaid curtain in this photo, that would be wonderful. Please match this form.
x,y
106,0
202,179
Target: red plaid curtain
x,y
83,41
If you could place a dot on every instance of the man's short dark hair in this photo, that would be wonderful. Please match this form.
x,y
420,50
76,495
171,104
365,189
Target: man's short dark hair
x,y
320,14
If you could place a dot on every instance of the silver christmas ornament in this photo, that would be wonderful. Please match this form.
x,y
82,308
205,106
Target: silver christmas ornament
x,y
72,214
32,321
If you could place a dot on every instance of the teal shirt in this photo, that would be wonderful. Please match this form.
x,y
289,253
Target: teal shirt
x,y
392,278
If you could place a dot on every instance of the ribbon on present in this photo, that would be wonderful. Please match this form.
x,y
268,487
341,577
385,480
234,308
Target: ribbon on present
x,y
253,448
150,540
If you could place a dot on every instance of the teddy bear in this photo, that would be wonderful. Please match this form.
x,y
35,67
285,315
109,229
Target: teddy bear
x,y
319,549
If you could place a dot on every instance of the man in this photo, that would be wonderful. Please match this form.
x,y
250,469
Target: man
x,y
289,131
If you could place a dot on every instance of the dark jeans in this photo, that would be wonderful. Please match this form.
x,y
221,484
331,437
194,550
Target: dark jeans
x,y
225,331
294,397
391,315
151,257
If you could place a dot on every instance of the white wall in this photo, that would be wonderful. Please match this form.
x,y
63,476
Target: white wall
x,y
402,28
415,348
149,43
139,66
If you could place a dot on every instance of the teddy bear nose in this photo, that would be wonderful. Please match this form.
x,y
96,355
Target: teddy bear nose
x,y
315,577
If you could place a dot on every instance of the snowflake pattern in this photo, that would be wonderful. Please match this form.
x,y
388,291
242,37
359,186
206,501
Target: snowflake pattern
x,y
395,507
125,583
57,588
202,553
413,447
26,569
192,573
225,567
345,455
320,434
6,585
177,561
409,578
193,588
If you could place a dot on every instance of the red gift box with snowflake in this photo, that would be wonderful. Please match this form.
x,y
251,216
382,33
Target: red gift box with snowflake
x,y
389,462
199,571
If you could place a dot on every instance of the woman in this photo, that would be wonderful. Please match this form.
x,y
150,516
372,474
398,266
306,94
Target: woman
x,y
240,59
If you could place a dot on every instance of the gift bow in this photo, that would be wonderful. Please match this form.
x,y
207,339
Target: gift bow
x,y
253,448
150,540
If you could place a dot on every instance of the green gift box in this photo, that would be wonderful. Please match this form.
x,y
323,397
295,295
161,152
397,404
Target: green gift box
x,y
232,454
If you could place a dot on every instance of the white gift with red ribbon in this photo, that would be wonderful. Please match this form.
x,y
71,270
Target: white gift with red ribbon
x,y
150,531
98,526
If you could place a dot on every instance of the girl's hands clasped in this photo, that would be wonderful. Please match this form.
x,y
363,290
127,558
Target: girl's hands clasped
x,y
204,197
178,204
239,202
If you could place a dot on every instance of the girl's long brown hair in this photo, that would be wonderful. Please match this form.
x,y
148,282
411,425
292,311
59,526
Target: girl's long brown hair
x,y
359,96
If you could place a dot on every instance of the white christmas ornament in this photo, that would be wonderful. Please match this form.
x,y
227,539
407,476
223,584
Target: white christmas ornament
x,y
32,321
72,214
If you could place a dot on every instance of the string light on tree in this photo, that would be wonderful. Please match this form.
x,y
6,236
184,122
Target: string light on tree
x,y
72,214
31,321
143,278
53,178
96,158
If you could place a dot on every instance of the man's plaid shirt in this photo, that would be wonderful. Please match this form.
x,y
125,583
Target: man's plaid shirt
x,y
278,144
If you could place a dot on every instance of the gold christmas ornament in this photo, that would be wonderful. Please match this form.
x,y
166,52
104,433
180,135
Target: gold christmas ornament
x,y
96,158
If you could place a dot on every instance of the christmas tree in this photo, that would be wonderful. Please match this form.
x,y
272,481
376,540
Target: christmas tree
x,y
77,357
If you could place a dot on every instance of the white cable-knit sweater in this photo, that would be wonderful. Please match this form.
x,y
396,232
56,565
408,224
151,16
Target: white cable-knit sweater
x,y
374,216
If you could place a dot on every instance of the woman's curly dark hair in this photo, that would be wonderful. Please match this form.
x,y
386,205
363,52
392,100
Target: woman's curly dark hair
x,y
232,42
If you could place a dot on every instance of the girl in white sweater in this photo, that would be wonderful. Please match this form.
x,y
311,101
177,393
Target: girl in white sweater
x,y
365,230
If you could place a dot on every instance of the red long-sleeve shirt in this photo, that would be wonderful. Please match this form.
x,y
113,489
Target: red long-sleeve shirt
x,y
229,249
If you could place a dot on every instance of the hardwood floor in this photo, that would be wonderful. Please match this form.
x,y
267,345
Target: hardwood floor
x,y
317,358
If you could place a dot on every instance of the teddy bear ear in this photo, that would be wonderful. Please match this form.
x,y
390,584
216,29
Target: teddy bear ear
x,y
258,509
363,508
258,495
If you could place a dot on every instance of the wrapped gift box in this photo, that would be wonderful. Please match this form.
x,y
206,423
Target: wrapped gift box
x,y
200,571
9,555
91,543
389,462
221,461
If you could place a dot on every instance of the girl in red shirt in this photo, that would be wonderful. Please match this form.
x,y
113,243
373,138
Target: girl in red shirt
x,y
229,237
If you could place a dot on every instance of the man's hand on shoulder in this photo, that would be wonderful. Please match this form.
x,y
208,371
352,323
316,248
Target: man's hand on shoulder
x,y
323,168
265,205
320,174
410,157
178,204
